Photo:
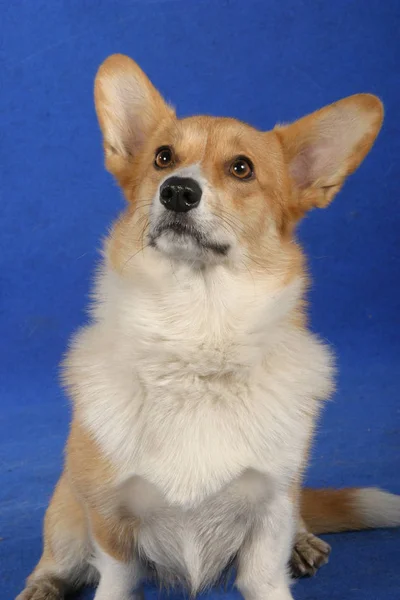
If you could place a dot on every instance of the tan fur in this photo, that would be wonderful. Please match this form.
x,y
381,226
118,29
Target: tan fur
x,y
93,481
330,511
249,312
66,541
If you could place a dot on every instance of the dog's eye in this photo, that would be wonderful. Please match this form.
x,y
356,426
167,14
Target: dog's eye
x,y
164,157
242,168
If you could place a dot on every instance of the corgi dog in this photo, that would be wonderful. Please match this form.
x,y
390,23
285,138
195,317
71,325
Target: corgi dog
x,y
196,386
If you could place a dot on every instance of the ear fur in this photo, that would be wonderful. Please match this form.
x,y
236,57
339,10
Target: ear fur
x,y
323,148
128,107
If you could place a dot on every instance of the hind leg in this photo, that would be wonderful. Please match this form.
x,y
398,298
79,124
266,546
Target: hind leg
x,y
64,563
309,552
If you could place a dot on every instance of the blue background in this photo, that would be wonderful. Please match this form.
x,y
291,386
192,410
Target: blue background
x,y
263,62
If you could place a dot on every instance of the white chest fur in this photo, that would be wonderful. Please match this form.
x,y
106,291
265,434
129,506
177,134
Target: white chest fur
x,y
188,383
194,546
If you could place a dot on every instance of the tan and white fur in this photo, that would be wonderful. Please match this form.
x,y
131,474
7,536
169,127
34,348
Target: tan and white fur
x,y
196,387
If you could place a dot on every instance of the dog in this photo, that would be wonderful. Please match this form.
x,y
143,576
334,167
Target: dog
x,y
197,385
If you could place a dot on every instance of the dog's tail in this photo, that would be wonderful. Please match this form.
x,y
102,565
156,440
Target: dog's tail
x,y
349,509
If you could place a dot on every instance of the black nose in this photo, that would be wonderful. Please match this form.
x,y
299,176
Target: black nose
x,y
180,194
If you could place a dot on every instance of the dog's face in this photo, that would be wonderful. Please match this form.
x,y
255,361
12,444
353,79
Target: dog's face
x,y
210,190
209,177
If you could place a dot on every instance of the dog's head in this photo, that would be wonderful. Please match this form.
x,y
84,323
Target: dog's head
x,y
214,190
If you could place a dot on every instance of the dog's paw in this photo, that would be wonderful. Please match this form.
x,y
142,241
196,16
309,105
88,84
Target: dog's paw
x,y
309,554
43,589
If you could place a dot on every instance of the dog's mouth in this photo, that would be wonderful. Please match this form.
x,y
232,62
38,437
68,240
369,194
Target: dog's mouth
x,y
179,232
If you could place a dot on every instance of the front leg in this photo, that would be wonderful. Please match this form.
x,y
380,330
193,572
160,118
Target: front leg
x,y
262,566
116,558
118,580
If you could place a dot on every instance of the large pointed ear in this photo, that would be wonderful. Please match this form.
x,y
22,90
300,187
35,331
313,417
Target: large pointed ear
x,y
128,107
322,149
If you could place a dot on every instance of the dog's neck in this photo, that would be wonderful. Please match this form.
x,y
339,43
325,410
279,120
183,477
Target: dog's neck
x,y
215,319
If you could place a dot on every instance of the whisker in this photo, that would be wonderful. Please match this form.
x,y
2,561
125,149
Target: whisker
x,y
133,255
233,223
143,232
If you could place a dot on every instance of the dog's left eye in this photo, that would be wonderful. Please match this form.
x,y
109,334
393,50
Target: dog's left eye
x,y
164,157
242,168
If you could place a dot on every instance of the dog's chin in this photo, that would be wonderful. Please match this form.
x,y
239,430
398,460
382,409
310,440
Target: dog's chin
x,y
189,246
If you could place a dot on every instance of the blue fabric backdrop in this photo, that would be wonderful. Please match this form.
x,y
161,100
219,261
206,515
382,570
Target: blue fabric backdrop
x,y
260,61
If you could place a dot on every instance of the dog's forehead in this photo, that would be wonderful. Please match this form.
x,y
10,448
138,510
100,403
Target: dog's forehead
x,y
213,136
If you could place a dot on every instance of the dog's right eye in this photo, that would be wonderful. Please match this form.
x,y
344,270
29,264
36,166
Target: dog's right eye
x,y
164,157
